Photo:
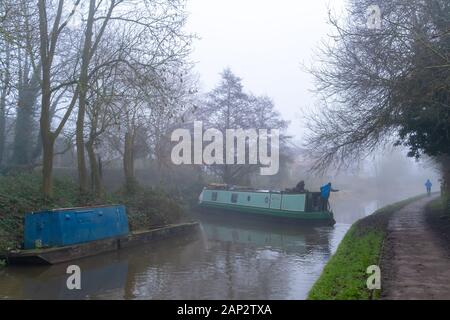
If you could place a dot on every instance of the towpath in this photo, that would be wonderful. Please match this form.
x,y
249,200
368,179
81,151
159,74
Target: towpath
x,y
414,264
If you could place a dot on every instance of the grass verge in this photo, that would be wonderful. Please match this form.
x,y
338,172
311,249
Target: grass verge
x,y
344,277
438,218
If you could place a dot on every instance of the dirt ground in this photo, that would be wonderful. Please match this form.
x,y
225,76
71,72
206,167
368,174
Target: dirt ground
x,y
415,264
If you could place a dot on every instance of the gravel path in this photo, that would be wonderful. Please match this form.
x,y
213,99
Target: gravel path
x,y
414,265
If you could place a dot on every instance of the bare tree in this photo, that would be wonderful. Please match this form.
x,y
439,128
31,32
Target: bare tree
x,y
49,43
228,106
89,48
149,37
5,85
372,81
103,114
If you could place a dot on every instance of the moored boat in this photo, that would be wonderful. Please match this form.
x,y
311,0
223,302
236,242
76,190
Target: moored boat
x,y
61,235
290,205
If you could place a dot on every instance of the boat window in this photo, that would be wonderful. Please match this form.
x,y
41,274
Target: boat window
x,y
234,197
248,198
266,199
214,196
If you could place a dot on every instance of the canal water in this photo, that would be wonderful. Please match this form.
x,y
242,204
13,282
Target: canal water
x,y
228,259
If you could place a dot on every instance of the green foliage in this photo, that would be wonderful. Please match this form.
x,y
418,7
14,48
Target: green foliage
x,y
445,202
424,121
424,94
148,208
438,219
21,193
438,204
344,277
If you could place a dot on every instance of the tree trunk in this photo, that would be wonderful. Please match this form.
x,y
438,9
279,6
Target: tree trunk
x,y
47,166
24,128
82,171
3,94
47,47
2,123
100,172
44,121
226,174
128,163
37,152
2,126
97,186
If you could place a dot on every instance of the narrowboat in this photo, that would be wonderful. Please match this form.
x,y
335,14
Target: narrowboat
x,y
61,235
289,205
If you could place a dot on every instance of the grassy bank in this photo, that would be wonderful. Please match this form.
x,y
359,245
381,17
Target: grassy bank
x,y
21,193
438,218
344,277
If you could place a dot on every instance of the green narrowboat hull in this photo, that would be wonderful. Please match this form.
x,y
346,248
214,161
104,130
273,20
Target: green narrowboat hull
x,y
316,216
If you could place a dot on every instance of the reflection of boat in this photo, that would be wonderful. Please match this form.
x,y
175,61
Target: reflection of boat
x,y
281,205
260,233
247,236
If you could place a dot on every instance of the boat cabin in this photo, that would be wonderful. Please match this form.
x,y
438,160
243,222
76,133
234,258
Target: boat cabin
x,y
222,195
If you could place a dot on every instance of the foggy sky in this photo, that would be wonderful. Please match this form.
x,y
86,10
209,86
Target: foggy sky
x,y
264,42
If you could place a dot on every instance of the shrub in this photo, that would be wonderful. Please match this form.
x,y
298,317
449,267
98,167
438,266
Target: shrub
x,y
148,208
21,193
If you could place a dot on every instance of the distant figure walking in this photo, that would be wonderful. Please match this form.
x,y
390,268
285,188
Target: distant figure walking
x,y
428,185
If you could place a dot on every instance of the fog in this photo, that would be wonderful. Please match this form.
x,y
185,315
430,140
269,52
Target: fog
x,y
267,44
264,42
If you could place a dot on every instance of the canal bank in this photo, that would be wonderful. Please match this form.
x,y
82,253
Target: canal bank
x,y
344,276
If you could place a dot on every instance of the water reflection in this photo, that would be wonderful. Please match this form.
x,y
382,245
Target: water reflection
x,y
293,239
226,260
42,282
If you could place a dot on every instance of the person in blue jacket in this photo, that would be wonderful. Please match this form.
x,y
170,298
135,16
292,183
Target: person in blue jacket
x,y
325,191
428,185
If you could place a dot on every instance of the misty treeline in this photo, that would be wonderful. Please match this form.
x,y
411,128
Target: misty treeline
x,y
90,73
388,85
229,106
109,80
